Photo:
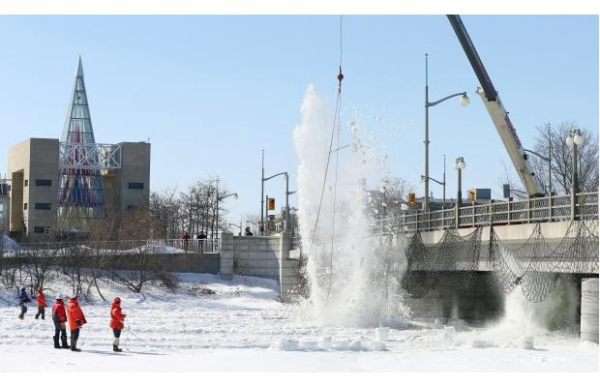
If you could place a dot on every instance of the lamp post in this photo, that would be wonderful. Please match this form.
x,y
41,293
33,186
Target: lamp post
x,y
262,196
219,198
464,101
383,190
549,160
459,165
286,224
442,183
573,140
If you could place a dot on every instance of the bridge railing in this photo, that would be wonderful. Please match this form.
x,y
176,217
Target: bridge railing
x,y
151,246
545,209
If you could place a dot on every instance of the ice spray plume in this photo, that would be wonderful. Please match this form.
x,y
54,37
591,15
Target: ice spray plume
x,y
351,281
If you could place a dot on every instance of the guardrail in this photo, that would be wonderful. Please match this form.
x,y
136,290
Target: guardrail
x,y
151,246
545,209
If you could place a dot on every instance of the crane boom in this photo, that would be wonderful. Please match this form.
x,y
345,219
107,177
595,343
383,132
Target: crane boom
x,y
499,115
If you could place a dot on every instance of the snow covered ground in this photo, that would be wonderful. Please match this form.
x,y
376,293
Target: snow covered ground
x,y
242,327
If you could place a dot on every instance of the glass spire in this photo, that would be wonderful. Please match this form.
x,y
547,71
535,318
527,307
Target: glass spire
x,y
81,195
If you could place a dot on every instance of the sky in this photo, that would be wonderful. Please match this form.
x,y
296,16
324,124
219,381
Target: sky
x,y
210,92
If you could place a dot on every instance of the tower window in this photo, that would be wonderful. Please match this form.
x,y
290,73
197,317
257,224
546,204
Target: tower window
x,y
43,182
43,206
135,186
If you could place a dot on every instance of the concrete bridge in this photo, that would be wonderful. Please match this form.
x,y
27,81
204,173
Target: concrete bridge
x,y
534,246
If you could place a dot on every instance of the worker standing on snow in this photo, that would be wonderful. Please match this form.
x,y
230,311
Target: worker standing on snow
x,y
41,301
59,317
76,321
23,300
117,318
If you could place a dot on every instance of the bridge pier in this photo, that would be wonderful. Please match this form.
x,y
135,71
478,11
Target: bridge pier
x,y
589,309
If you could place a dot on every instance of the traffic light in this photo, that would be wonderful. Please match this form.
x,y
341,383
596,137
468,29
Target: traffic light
x,y
412,198
271,204
473,195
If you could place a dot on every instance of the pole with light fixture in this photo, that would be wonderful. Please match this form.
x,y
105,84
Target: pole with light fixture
x,y
464,101
574,139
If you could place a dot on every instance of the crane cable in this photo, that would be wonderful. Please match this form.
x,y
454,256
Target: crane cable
x,y
336,125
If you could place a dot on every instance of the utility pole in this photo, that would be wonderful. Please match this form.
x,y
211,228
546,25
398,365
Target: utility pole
x,y
262,195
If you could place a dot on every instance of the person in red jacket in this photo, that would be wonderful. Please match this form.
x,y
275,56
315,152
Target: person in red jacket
x,y
59,317
41,301
76,321
117,319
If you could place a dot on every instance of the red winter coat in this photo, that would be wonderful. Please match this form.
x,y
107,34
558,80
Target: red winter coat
x,y
58,312
75,315
117,318
41,300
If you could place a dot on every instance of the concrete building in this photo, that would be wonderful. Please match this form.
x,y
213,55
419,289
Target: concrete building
x,y
62,186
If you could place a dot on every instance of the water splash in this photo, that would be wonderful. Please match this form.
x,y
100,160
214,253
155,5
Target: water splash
x,y
353,280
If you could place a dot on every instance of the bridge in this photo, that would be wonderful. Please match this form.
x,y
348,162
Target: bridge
x,y
466,260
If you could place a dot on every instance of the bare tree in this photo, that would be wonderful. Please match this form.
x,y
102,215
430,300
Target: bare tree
x,y
516,187
550,142
396,192
194,210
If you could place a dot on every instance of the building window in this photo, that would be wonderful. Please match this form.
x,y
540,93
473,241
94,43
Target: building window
x,y
135,186
26,183
39,229
24,206
43,206
43,182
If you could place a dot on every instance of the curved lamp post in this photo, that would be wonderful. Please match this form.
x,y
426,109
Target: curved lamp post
x,y
219,199
286,223
464,101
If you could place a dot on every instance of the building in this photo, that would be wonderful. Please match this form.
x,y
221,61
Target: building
x,y
62,187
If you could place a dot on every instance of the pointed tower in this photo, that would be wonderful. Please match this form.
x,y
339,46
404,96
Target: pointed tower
x,y
81,195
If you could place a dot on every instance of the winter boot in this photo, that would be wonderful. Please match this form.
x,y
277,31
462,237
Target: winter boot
x,y
56,342
74,346
116,345
63,340
21,317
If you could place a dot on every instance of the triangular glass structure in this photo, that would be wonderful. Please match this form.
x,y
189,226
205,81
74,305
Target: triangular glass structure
x,y
81,195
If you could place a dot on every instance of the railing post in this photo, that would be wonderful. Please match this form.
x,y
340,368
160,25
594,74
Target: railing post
x,y
473,214
550,207
491,213
573,209
457,215
528,210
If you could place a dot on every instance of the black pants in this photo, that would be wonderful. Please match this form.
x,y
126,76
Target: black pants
x,y
75,334
41,312
117,333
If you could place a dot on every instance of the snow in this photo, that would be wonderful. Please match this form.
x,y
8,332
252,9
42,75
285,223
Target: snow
x,y
209,324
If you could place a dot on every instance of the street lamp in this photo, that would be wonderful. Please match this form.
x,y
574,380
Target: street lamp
x,y
286,224
464,101
383,190
459,165
219,198
442,183
573,140
549,160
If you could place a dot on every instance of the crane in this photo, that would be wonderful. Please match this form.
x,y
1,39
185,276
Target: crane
x,y
499,115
